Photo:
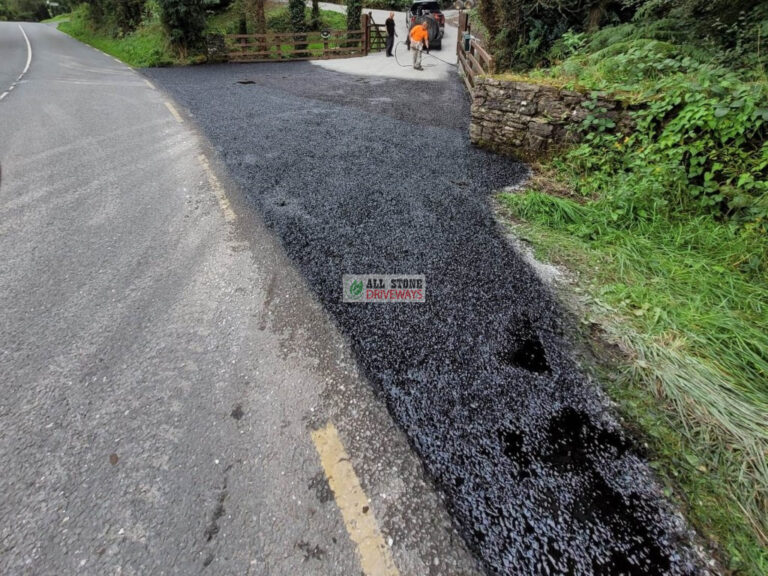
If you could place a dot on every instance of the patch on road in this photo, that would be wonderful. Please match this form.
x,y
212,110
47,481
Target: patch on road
x,y
480,377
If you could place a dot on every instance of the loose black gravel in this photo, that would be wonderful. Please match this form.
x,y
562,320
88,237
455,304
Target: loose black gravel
x,y
367,175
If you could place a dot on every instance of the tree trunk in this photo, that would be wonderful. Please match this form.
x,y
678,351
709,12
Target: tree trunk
x,y
260,19
596,12
315,15
489,17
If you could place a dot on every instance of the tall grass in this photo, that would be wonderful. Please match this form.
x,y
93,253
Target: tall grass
x,y
675,296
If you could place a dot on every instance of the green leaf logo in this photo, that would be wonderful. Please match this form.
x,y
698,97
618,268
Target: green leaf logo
x,y
356,289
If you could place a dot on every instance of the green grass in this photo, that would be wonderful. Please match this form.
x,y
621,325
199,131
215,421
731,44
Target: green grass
x,y
226,22
146,47
333,20
671,267
278,20
692,323
58,18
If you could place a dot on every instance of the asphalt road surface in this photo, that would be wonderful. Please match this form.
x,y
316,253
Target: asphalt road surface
x,y
357,173
163,364
183,390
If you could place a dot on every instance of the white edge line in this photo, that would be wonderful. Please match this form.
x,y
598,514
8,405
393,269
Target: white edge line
x,y
26,66
29,52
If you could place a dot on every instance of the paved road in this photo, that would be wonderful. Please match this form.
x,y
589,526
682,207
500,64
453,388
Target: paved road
x,y
358,172
163,364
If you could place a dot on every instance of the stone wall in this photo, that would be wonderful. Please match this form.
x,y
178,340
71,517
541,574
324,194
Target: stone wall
x,y
532,120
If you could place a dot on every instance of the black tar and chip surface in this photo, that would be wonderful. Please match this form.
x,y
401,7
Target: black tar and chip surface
x,y
370,174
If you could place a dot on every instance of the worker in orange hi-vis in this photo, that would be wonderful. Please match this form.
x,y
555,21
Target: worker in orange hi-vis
x,y
419,41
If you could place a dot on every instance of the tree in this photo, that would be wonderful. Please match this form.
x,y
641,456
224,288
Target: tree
x,y
296,10
315,19
184,22
489,17
253,10
354,11
30,10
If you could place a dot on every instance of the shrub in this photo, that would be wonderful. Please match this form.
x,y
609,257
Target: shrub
x,y
116,17
184,22
354,10
396,5
296,9
30,10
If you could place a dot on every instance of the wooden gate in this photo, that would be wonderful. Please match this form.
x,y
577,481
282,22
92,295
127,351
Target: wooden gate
x,y
283,46
377,35
275,47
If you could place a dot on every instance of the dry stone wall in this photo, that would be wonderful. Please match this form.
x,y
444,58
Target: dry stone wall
x,y
533,120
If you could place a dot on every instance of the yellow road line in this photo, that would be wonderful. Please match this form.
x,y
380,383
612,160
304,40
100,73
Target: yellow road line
x,y
375,556
174,112
218,190
149,84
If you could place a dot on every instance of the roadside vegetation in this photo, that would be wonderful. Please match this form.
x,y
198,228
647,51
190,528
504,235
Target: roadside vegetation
x,y
144,46
27,10
147,33
666,231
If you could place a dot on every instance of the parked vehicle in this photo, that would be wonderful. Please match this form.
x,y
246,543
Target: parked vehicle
x,y
427,11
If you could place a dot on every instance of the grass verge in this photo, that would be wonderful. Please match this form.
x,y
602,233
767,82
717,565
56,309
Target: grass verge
x,y
58,18
692,376
148,46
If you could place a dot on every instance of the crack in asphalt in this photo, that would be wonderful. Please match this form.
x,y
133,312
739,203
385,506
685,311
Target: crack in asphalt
x,y
540,477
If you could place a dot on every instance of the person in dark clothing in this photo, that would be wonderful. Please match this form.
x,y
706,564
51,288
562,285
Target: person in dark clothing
x,y
390,23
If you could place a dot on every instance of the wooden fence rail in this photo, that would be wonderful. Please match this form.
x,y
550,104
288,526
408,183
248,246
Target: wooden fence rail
x,y
475,61
282,46
294,46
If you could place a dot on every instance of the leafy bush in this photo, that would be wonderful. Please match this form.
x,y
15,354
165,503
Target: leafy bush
x,y
529,33
116,17
280,20
354,10
184,21
395,5
296,10
29,10
700,143
523,31
145,47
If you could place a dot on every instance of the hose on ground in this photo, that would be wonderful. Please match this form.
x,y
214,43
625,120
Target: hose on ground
x,y
394,52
